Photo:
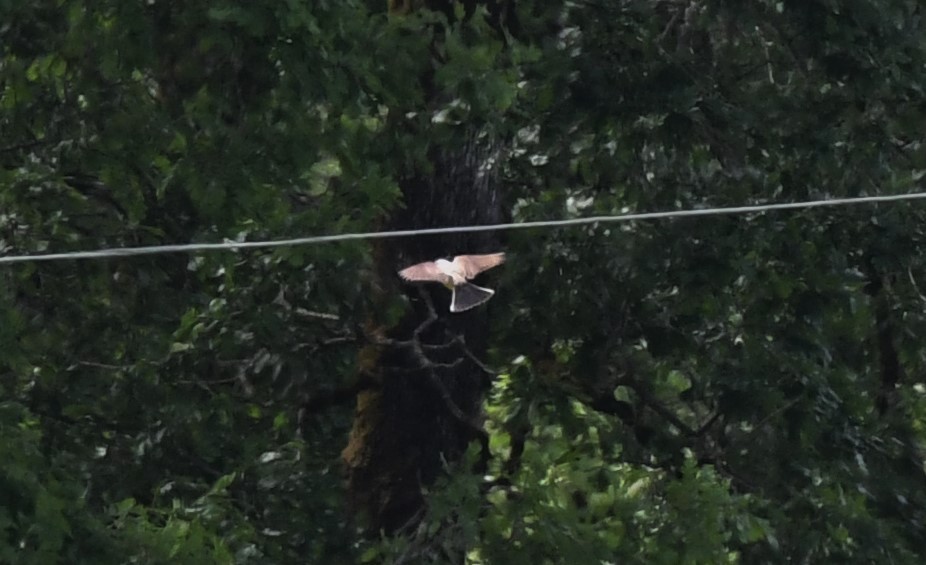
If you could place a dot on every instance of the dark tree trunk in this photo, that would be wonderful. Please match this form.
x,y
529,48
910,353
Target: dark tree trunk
x,y
425,410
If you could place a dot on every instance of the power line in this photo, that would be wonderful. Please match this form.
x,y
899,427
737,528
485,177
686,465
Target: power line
x,y
231,245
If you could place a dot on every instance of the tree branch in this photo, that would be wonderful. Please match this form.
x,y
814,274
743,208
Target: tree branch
x,y
328,399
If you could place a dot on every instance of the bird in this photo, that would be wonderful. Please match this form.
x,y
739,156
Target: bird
x,y
455,275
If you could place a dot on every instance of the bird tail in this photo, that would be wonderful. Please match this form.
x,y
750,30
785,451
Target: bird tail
x,y
468,295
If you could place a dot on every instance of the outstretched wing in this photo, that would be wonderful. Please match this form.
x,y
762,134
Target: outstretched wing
x,y
472,265
426,271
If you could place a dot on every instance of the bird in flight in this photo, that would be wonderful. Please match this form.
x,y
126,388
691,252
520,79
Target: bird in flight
x,y
455,275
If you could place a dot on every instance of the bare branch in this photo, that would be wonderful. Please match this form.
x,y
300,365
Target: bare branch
x,y
330,398
313,314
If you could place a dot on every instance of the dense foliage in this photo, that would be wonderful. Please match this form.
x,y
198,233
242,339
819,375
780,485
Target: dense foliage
x,y
726,389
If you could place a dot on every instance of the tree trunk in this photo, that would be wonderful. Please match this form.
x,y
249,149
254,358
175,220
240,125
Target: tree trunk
x,y
426,408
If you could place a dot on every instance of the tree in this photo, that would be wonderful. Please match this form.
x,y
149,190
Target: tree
x,y
425,407
736,388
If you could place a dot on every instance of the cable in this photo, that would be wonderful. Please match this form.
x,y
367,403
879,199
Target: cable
x,y
229,245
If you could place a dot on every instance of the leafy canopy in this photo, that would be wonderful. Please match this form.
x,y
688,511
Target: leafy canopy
x,y
739,389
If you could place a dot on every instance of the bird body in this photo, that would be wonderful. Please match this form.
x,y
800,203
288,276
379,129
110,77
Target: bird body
x,y
455,275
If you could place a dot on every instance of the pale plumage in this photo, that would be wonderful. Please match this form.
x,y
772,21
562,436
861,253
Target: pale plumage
x,y
455,275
